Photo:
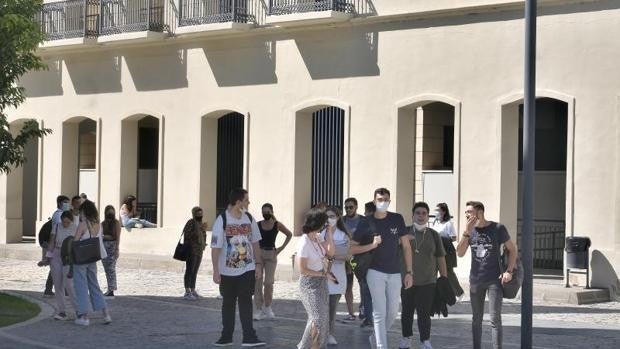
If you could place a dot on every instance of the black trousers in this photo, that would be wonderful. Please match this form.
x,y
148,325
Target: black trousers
x,y
419,299
237,289
192,264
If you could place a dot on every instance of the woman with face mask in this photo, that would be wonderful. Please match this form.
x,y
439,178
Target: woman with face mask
x,y
342,243
195,236
263,290
443,225
111,241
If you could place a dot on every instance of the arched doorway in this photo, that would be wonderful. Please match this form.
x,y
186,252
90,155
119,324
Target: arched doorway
x,y
79,158
22,193
140,164
223,159
550,177
427,155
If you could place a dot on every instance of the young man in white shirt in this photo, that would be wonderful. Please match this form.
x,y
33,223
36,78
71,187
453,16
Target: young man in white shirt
x,y
234,253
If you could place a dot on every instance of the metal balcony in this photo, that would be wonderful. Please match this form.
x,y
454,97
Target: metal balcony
x,y
197,12
285,7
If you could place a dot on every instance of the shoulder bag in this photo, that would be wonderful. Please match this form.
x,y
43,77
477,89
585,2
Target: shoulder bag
x,y
181,252
86,251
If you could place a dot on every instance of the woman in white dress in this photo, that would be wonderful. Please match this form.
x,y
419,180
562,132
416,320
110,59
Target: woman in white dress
x,y
338,287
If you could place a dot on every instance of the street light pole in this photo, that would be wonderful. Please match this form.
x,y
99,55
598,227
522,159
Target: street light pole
x,y
529,133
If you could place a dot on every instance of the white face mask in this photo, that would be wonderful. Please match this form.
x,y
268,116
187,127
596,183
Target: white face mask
x,y
382,206
66,206
438,215
244,210
419,226
332,221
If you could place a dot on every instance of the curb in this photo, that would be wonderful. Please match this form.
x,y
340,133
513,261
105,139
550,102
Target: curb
x,y
46,311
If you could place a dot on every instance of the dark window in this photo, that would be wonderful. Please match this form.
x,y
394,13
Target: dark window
x,y
148,146
327,156
229,157
448,146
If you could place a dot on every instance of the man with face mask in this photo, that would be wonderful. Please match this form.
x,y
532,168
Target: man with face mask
x,y
195,236
62,205
428,257
384,273
485,239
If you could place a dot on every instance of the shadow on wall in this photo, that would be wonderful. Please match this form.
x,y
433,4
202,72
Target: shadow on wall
x,y
157,69
347,53
44,82
252,63
604,275
93,73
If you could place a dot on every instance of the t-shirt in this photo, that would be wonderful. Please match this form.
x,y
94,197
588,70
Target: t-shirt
x,y
312,251
386,257
235,240
62,233
445,229
484,244
426,247
352,223
341,240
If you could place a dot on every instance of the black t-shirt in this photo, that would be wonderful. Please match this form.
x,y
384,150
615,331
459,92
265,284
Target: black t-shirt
x,y
386,258
484,244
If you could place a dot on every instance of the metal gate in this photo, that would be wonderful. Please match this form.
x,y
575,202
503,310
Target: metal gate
x,y
230,136
327,156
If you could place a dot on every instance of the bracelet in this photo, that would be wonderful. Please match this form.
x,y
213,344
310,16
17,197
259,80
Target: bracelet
x,y
409,272
466,235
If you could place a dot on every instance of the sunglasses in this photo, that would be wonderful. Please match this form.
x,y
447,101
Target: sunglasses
x,y
349,207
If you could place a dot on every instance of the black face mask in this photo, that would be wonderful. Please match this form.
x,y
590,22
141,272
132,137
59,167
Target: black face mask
x,y
198,218
267,216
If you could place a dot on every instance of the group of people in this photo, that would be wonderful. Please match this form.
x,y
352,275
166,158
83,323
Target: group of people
x,y
392,262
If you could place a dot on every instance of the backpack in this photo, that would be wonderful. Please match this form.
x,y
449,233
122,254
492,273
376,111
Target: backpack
x,y
45,233
223,215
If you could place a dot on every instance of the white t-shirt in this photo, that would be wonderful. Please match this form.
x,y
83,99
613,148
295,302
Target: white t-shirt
x,y
62,233
235,240
445,229
312,251
338,268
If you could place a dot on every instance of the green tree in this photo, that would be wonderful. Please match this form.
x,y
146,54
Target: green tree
x,y
20,35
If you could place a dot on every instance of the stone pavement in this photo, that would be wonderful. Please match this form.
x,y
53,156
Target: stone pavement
x,y
148,312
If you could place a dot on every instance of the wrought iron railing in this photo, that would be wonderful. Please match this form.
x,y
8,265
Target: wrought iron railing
x,y
122,16
195,12
63,19
282,7
147,211
549,238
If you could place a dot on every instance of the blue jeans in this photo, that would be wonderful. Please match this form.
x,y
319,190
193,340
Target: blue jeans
x,y
385,292
87,291
477,293
366,299
131,222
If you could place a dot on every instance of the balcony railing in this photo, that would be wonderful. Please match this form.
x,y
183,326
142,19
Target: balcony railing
x,y
63,19
283,7
196,12
122,16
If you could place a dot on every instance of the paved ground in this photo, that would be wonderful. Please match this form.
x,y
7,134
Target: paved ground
x,y
149,313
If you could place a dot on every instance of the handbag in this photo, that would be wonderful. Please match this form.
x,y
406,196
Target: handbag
x,y
181,252
512,287
86,251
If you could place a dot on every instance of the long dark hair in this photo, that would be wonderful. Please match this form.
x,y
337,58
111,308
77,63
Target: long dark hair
x,y
128,201
89,210
339,223
108,224
446,212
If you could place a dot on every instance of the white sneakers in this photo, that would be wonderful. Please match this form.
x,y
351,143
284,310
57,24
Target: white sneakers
x,y
331,340
265,313
426,345
404,343
107,319
82,321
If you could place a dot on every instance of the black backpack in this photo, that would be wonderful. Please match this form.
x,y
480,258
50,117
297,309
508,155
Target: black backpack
x,y
223,215
45,233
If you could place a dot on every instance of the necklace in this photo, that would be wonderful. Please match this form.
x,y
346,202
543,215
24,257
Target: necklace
x,y
417,248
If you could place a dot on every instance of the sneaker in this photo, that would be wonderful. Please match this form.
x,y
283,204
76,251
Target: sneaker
x,y
48,293
109,294
223,342
349,318
258,315
195,294
188,296
426,345
404,343
366,323
82,321
254,342
107,320
61,317
372,342
268,313
331,340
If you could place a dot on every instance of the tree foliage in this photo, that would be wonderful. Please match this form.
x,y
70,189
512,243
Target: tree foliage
x,y
20,36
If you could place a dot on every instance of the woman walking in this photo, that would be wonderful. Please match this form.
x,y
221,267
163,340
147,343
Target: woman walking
x,y
263,291
111,241
87,291
342,242
312,254
195,236
443,225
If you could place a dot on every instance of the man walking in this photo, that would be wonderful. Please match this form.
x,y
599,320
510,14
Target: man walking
x,y
234,252
383,276
485,239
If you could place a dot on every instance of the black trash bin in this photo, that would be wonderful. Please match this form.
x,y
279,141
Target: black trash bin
x,y
578,255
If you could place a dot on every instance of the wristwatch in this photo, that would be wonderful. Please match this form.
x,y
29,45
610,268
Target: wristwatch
x,y
409,272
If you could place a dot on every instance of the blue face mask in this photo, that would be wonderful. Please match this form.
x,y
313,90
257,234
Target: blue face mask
x,y
66,206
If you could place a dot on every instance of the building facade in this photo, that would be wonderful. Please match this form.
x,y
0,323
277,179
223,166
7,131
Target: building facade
x,y
303,101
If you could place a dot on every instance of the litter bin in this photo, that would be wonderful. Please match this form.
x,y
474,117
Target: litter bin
x,y
578,256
